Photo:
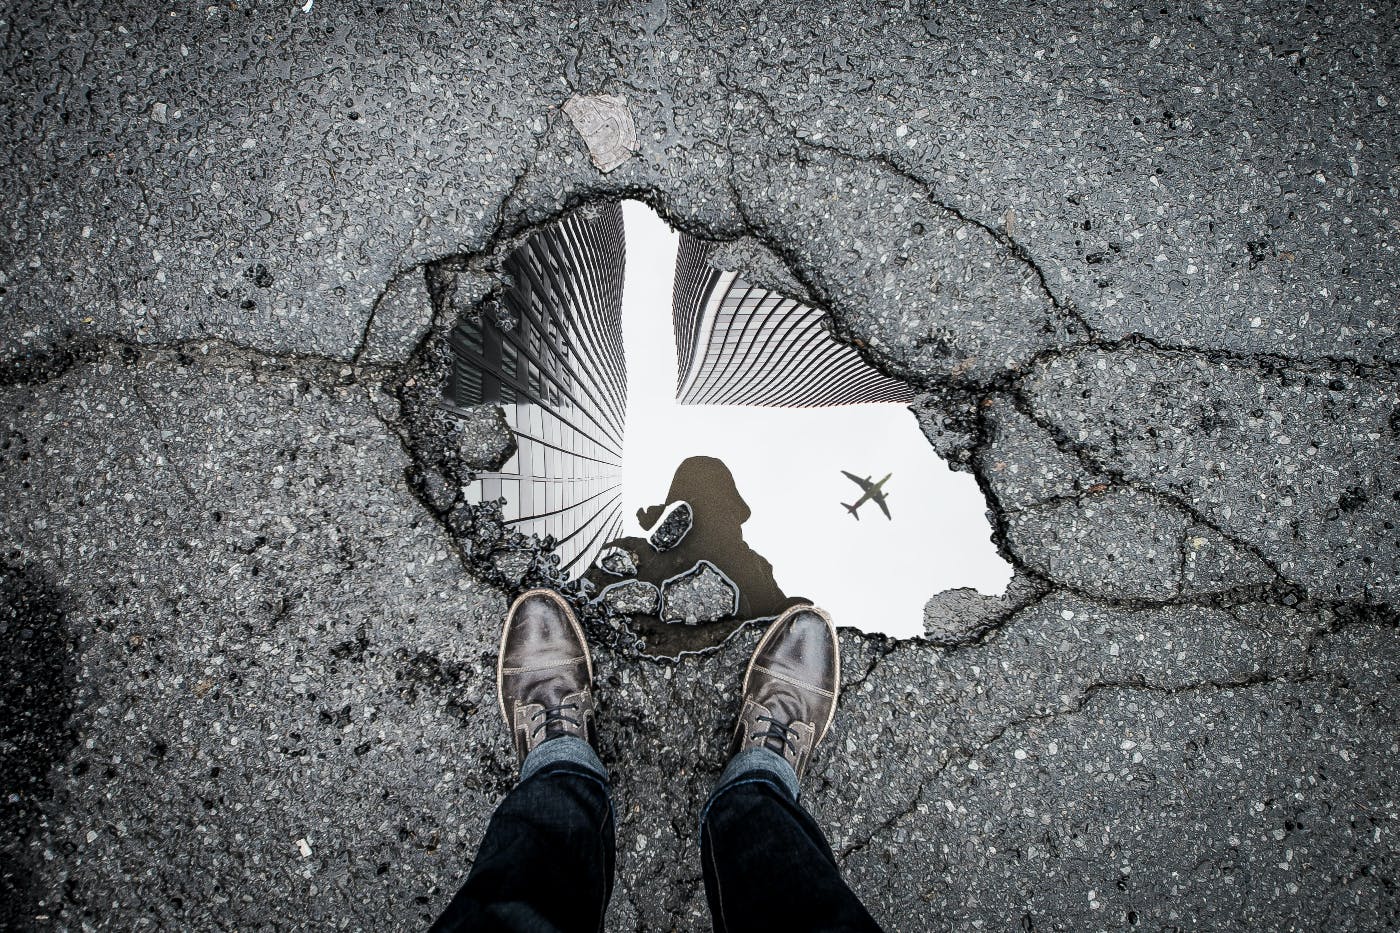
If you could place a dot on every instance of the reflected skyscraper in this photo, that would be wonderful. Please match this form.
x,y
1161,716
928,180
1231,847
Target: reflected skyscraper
x,y
738,344
554,363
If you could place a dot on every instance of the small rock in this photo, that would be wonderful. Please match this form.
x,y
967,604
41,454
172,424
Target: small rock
x,y
512,564
618,561
954,616
675,524
482,437
960,616
631,597
701,594
606,126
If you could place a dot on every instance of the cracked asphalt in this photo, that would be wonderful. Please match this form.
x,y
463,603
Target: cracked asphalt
x,y
1140,261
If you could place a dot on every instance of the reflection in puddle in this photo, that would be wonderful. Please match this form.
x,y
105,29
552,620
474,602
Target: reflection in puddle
x,y
726,389
787,410
554,364
715,535
738,344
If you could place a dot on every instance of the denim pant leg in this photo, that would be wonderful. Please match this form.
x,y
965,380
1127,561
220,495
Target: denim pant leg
x,y
545,864
767,864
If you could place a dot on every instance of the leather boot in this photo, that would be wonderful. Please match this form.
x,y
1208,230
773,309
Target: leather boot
x,y
790,687
544,675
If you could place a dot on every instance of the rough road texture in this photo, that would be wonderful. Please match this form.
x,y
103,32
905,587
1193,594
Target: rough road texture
x,y
1142,261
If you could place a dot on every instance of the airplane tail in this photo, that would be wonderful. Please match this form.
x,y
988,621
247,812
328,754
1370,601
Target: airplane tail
x,y
852,510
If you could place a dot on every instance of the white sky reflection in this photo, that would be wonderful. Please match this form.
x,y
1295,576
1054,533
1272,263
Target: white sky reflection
x,y
874,574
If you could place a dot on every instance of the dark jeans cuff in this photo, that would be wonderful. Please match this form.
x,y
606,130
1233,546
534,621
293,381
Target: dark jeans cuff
x,y
567,749
754,765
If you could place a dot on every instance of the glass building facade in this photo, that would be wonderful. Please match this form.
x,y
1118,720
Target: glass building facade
x,y
558,372
737,344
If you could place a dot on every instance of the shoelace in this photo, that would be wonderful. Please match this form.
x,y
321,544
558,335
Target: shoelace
x,y
553,714
783,732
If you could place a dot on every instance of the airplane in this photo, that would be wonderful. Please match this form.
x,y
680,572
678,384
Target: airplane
x,y
870,491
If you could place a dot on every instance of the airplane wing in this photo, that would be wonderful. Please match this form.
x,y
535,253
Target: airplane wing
x,y
880,501
858,481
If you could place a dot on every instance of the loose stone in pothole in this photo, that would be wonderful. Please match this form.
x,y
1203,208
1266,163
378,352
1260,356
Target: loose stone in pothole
x,y
701,594
617,561
675,524
631,597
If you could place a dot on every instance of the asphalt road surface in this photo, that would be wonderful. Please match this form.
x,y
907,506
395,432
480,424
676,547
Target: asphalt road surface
x,y
1140,260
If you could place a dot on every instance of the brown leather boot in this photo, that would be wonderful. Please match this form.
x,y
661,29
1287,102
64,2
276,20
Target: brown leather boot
x,y
544,675
790,687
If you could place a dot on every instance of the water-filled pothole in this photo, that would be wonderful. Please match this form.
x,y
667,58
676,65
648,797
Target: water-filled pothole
x,y
637,373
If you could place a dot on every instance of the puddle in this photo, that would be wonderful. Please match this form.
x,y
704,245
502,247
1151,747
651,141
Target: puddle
x,y
736,401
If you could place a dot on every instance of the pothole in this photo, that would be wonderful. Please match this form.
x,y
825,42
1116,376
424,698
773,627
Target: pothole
x,y
693,449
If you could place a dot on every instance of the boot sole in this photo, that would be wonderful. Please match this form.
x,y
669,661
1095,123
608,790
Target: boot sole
x,y
772,632
505,630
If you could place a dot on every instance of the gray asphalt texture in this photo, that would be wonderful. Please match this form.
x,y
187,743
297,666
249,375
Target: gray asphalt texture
x,y
1141,259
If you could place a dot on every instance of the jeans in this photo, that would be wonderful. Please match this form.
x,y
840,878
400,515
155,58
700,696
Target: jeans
x,y
546,862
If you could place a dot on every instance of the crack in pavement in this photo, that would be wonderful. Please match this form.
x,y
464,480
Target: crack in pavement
x,y
1001,236
170,463
38,368
1259,361
1117,477
1087,694
1322,363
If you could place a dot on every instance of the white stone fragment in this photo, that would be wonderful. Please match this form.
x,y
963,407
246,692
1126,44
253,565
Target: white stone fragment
x,y
606,126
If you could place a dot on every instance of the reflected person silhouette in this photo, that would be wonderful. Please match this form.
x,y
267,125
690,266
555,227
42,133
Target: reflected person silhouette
x,y
716,536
